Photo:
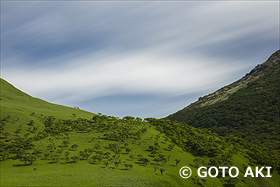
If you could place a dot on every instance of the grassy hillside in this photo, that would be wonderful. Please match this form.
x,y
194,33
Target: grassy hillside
x,y
249,108
43,144
13,99
19,108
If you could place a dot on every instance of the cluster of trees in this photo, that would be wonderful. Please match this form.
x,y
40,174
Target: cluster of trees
x,y
115,129
21,147
202,142
18,148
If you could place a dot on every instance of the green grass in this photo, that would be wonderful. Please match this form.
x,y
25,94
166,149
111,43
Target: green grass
x,y
18,108
84,173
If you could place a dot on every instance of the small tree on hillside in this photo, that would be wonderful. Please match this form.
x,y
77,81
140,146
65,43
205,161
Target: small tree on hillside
x,y
177,161
127,150
67,155
74,159
155,167
28,159
161,170
74,147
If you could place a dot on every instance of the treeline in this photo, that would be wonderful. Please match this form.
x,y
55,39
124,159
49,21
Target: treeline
x,y
115,128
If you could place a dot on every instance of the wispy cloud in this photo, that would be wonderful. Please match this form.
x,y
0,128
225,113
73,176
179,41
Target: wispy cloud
x,y
154,57
146,73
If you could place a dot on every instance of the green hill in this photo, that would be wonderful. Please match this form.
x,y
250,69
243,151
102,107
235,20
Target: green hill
x,y
248,108
43,144
15,101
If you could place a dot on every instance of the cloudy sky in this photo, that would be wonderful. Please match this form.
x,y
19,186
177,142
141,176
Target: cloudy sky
x,y
146,59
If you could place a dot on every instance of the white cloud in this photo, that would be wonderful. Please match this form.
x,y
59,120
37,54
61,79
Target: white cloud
x,y
130,47
134,73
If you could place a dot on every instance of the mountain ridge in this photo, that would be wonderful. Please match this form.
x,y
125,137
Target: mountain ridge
x,y
226,91
243,107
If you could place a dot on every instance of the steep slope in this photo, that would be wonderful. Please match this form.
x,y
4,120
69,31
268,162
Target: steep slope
x,y
42,144
13,99
248,108
17,108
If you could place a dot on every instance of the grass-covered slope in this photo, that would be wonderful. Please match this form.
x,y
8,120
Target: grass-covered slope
x,y
248,108
20,108
50,145
13,99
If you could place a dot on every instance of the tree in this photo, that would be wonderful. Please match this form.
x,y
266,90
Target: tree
x,y
128,118
153,149
171,146
49,121
155,167
115,148
177,161
161,170
94,158
28,159
162,159
84,155
74,159
156,160
131,157
96,147
65,143
145,161
54,158
127,150
128,166
30,123
139,156
67,155
74,146
106,163
117,163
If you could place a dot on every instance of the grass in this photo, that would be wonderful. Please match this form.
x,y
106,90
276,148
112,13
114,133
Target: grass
x,y
18,108
84,173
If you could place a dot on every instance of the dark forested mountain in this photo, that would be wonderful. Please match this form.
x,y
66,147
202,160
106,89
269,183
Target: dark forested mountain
x,y
248,108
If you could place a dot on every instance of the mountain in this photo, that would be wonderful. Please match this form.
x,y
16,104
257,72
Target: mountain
x,y
44,144
248,108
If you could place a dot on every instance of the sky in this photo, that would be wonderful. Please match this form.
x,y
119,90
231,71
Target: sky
x,y
139,58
